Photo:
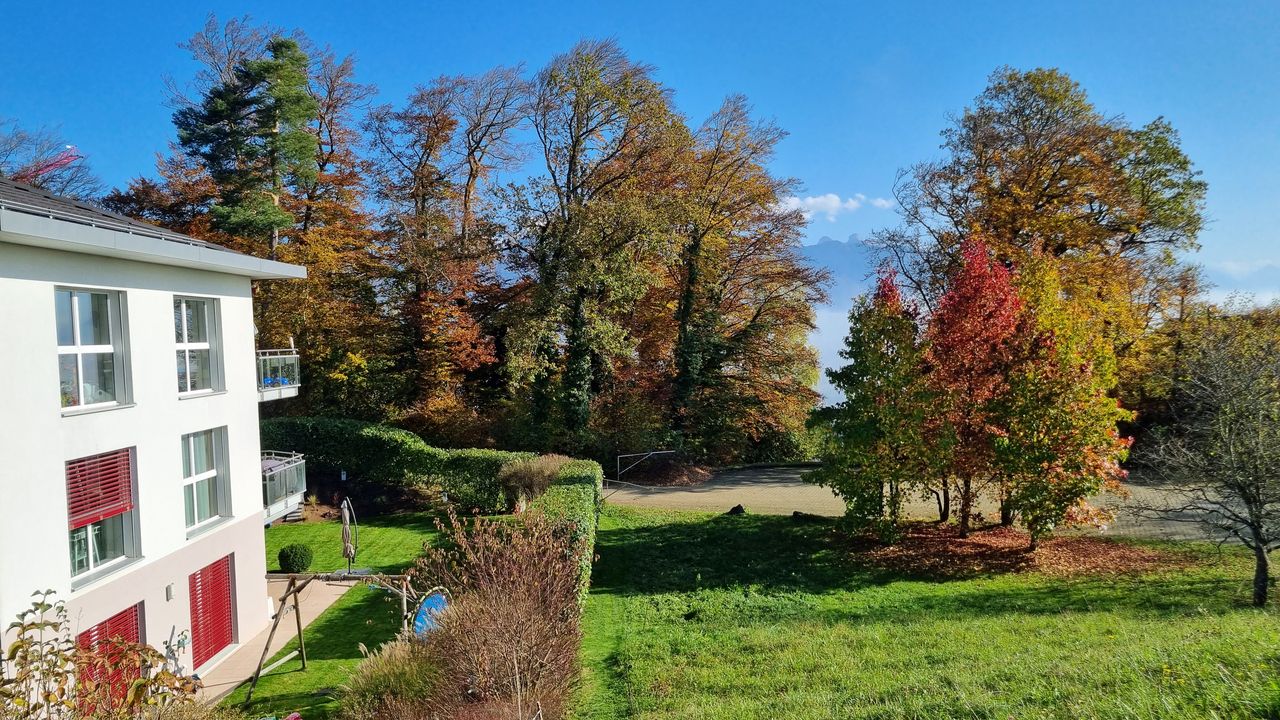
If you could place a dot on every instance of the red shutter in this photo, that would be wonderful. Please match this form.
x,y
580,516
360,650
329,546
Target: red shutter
x,y
210,589
99,486
124,627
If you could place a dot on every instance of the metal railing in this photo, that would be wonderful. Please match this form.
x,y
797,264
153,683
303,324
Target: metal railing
x,y
279,369
284,476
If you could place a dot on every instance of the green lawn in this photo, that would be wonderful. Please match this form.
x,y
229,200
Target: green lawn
x,y
700,616
363,615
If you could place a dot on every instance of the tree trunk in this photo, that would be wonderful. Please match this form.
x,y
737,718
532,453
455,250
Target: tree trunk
x,y
943,499
966,506
1006,513
1261,575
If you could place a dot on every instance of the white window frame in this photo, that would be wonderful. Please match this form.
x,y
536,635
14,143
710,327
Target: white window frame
x,y
185,347
129,543
221,487
116,326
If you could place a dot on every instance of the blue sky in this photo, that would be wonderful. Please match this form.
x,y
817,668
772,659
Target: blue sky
x,y
863,88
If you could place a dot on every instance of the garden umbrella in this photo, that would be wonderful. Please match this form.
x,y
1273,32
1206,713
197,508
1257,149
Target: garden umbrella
x,y
348,545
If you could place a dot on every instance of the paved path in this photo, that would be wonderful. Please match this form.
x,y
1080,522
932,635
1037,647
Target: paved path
x,y
239,666
781,491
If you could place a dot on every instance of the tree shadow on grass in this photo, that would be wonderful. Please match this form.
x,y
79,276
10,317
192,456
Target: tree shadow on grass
x,y
777,554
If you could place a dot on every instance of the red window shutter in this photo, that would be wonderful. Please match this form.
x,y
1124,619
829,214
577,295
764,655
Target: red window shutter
x,y
124,626
210,589
99,487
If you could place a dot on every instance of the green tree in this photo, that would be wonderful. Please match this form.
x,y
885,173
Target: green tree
x,y
252,134
878,448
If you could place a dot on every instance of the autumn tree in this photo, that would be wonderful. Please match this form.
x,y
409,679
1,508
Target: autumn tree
x,y
1058,442
1035,168
972,342
431,158
880,449
585,230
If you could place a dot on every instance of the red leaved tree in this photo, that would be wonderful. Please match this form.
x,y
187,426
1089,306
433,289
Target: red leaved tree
x,y
972,339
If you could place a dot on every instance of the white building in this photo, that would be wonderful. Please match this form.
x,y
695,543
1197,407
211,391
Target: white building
x,y
133,485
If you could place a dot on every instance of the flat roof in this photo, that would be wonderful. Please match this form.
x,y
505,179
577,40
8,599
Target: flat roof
x,y
32,216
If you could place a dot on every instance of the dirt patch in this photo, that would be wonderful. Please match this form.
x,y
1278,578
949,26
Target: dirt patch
x,y
933,550
669,474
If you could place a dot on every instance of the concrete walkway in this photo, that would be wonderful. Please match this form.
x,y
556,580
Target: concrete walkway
x,y
782,491
239,666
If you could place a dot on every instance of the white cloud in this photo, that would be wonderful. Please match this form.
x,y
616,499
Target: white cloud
x,y
831,205
1240,269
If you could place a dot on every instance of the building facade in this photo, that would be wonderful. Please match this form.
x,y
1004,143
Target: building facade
x,y
133,484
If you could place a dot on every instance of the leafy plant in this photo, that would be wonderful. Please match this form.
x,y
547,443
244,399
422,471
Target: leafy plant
x,y
295,558
525,479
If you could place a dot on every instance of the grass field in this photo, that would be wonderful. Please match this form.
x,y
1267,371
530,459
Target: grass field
x,y
363,615
699,616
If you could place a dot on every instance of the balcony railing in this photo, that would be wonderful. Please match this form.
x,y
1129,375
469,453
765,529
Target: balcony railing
x,y
284,483
279,375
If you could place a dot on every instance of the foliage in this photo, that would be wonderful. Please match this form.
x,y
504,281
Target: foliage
x,y
573,503
398,680
470,478
759,616
381,462
879,449
1220,456
295,558
972,343
46,675
511,631
39,157
524,480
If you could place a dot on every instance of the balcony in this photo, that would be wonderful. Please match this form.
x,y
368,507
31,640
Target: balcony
x,y
278,374
284,483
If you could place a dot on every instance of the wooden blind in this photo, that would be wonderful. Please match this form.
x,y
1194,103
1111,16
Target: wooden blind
x,y
211,630
99,486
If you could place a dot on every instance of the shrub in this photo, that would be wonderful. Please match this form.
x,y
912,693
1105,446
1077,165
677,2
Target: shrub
x,y
469,478
525,479
295,558
398,680
382,462
511,631
573,502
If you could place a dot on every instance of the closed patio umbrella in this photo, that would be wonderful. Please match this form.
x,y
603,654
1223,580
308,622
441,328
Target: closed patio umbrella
x,y
349,542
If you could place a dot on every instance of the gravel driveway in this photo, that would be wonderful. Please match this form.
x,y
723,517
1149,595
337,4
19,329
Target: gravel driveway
x,y
781,491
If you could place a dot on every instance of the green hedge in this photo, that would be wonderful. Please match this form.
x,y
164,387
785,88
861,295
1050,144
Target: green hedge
x,y
470,478
385,461
575,498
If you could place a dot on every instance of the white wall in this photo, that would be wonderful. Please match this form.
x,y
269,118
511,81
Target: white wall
x,y
37,438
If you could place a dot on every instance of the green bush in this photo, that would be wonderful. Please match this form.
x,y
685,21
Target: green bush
x,y
469,477
295,558
574,499
379,459
524,480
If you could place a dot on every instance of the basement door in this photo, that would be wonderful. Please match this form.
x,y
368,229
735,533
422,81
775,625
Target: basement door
x,y
211,607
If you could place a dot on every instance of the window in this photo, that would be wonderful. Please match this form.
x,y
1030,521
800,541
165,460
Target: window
x,y
194,327
90,347
100,510
203,484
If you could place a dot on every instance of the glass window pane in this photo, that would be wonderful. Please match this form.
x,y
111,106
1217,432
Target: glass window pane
x,y
62,308
201,456
201,377
182,371
189,500
95,320
79,542
197,321
206,492
108,539
177,320
99,377
69,379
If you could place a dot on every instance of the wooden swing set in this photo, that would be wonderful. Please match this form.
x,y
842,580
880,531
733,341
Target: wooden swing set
x,y
396,584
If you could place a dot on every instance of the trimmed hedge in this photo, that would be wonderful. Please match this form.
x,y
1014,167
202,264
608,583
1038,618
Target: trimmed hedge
x,y
575,498
371,454
470,478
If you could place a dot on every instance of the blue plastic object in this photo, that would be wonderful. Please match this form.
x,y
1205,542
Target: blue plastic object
x,y
425,619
